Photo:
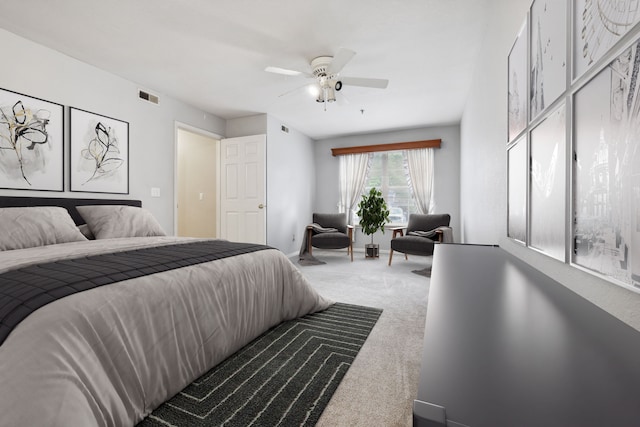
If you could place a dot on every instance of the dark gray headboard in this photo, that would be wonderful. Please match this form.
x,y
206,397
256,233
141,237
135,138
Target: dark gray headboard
x,y
69,204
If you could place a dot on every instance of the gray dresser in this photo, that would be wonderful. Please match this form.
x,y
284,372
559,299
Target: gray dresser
x,y
507,346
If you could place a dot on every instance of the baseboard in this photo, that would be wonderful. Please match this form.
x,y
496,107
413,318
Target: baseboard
x,y
355,250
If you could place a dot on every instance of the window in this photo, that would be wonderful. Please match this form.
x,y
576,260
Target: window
x,y
402,171
388,174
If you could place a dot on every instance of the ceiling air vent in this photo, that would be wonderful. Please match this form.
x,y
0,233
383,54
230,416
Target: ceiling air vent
x,y
148,97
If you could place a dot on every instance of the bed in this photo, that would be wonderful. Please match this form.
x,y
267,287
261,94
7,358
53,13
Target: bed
x,y
111,351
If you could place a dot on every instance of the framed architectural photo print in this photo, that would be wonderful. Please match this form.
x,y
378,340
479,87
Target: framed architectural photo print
x,y
606,235
517,80
597,26
548,53
547,181
99,153
31,143
517,191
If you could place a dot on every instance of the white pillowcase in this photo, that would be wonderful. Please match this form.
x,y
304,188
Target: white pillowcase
x,y
112,221
36,226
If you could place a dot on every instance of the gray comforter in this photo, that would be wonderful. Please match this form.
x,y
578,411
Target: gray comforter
x,y
109,356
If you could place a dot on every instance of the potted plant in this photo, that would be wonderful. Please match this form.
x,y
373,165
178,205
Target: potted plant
x,y
373,213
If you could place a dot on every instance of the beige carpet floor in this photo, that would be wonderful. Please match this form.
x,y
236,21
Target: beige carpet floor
x,y
379,388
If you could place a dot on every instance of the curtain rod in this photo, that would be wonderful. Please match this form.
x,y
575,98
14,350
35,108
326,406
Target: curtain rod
x,y
431,143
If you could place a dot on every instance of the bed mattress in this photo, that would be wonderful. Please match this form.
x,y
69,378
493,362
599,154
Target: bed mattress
x,y
110,355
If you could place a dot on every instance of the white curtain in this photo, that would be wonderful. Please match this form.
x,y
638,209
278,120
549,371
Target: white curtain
x,y
419,167
354,169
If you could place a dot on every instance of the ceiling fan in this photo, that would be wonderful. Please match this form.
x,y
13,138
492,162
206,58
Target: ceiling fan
x,y
326,71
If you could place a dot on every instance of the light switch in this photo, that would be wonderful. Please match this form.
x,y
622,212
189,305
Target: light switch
x,y
155,192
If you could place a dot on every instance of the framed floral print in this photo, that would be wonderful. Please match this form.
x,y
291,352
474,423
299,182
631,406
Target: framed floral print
x,y
99,153
31,143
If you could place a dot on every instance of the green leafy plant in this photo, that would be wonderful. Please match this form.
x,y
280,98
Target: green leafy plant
x,y
373,212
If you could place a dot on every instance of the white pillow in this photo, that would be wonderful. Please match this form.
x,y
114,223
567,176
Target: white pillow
x,y
111,221
36,226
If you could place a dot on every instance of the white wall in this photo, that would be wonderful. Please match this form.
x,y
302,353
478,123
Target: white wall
x,y
290,178
197,186
447,172
245,126
44,73
290,186
483,174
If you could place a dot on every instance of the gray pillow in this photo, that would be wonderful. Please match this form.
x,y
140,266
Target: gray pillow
x,y
36,226
111,221
319,229
86,232
428,234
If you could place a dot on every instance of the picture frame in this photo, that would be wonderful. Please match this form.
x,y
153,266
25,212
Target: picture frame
x,y
547,54
99,151
517,85
547,183
606,173
31,143
517,191
597,27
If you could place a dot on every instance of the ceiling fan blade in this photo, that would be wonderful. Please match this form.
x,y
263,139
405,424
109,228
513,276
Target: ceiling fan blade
x,y
340,60
365,82
308,86
286,72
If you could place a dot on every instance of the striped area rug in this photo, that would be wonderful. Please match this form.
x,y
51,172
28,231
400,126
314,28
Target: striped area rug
x,y
285,377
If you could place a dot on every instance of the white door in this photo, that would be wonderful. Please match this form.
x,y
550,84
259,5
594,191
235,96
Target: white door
x,y
242,189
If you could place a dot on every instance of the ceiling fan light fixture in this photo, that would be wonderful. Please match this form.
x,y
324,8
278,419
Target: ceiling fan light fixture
x,y
314,90
330,95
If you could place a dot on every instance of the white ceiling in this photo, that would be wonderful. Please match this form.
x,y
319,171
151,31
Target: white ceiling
x,y
212,53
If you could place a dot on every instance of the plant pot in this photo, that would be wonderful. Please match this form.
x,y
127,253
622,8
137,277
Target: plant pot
x,y
372,250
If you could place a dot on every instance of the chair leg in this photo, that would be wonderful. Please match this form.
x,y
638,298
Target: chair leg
x,y
350,250
390,256
406,257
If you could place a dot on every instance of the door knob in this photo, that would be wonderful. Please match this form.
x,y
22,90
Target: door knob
x,y
260,206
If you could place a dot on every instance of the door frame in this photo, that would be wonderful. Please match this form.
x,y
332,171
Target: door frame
x,y
178,126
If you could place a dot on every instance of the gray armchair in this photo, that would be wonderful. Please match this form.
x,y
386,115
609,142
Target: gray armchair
x,y
327,239
423,231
